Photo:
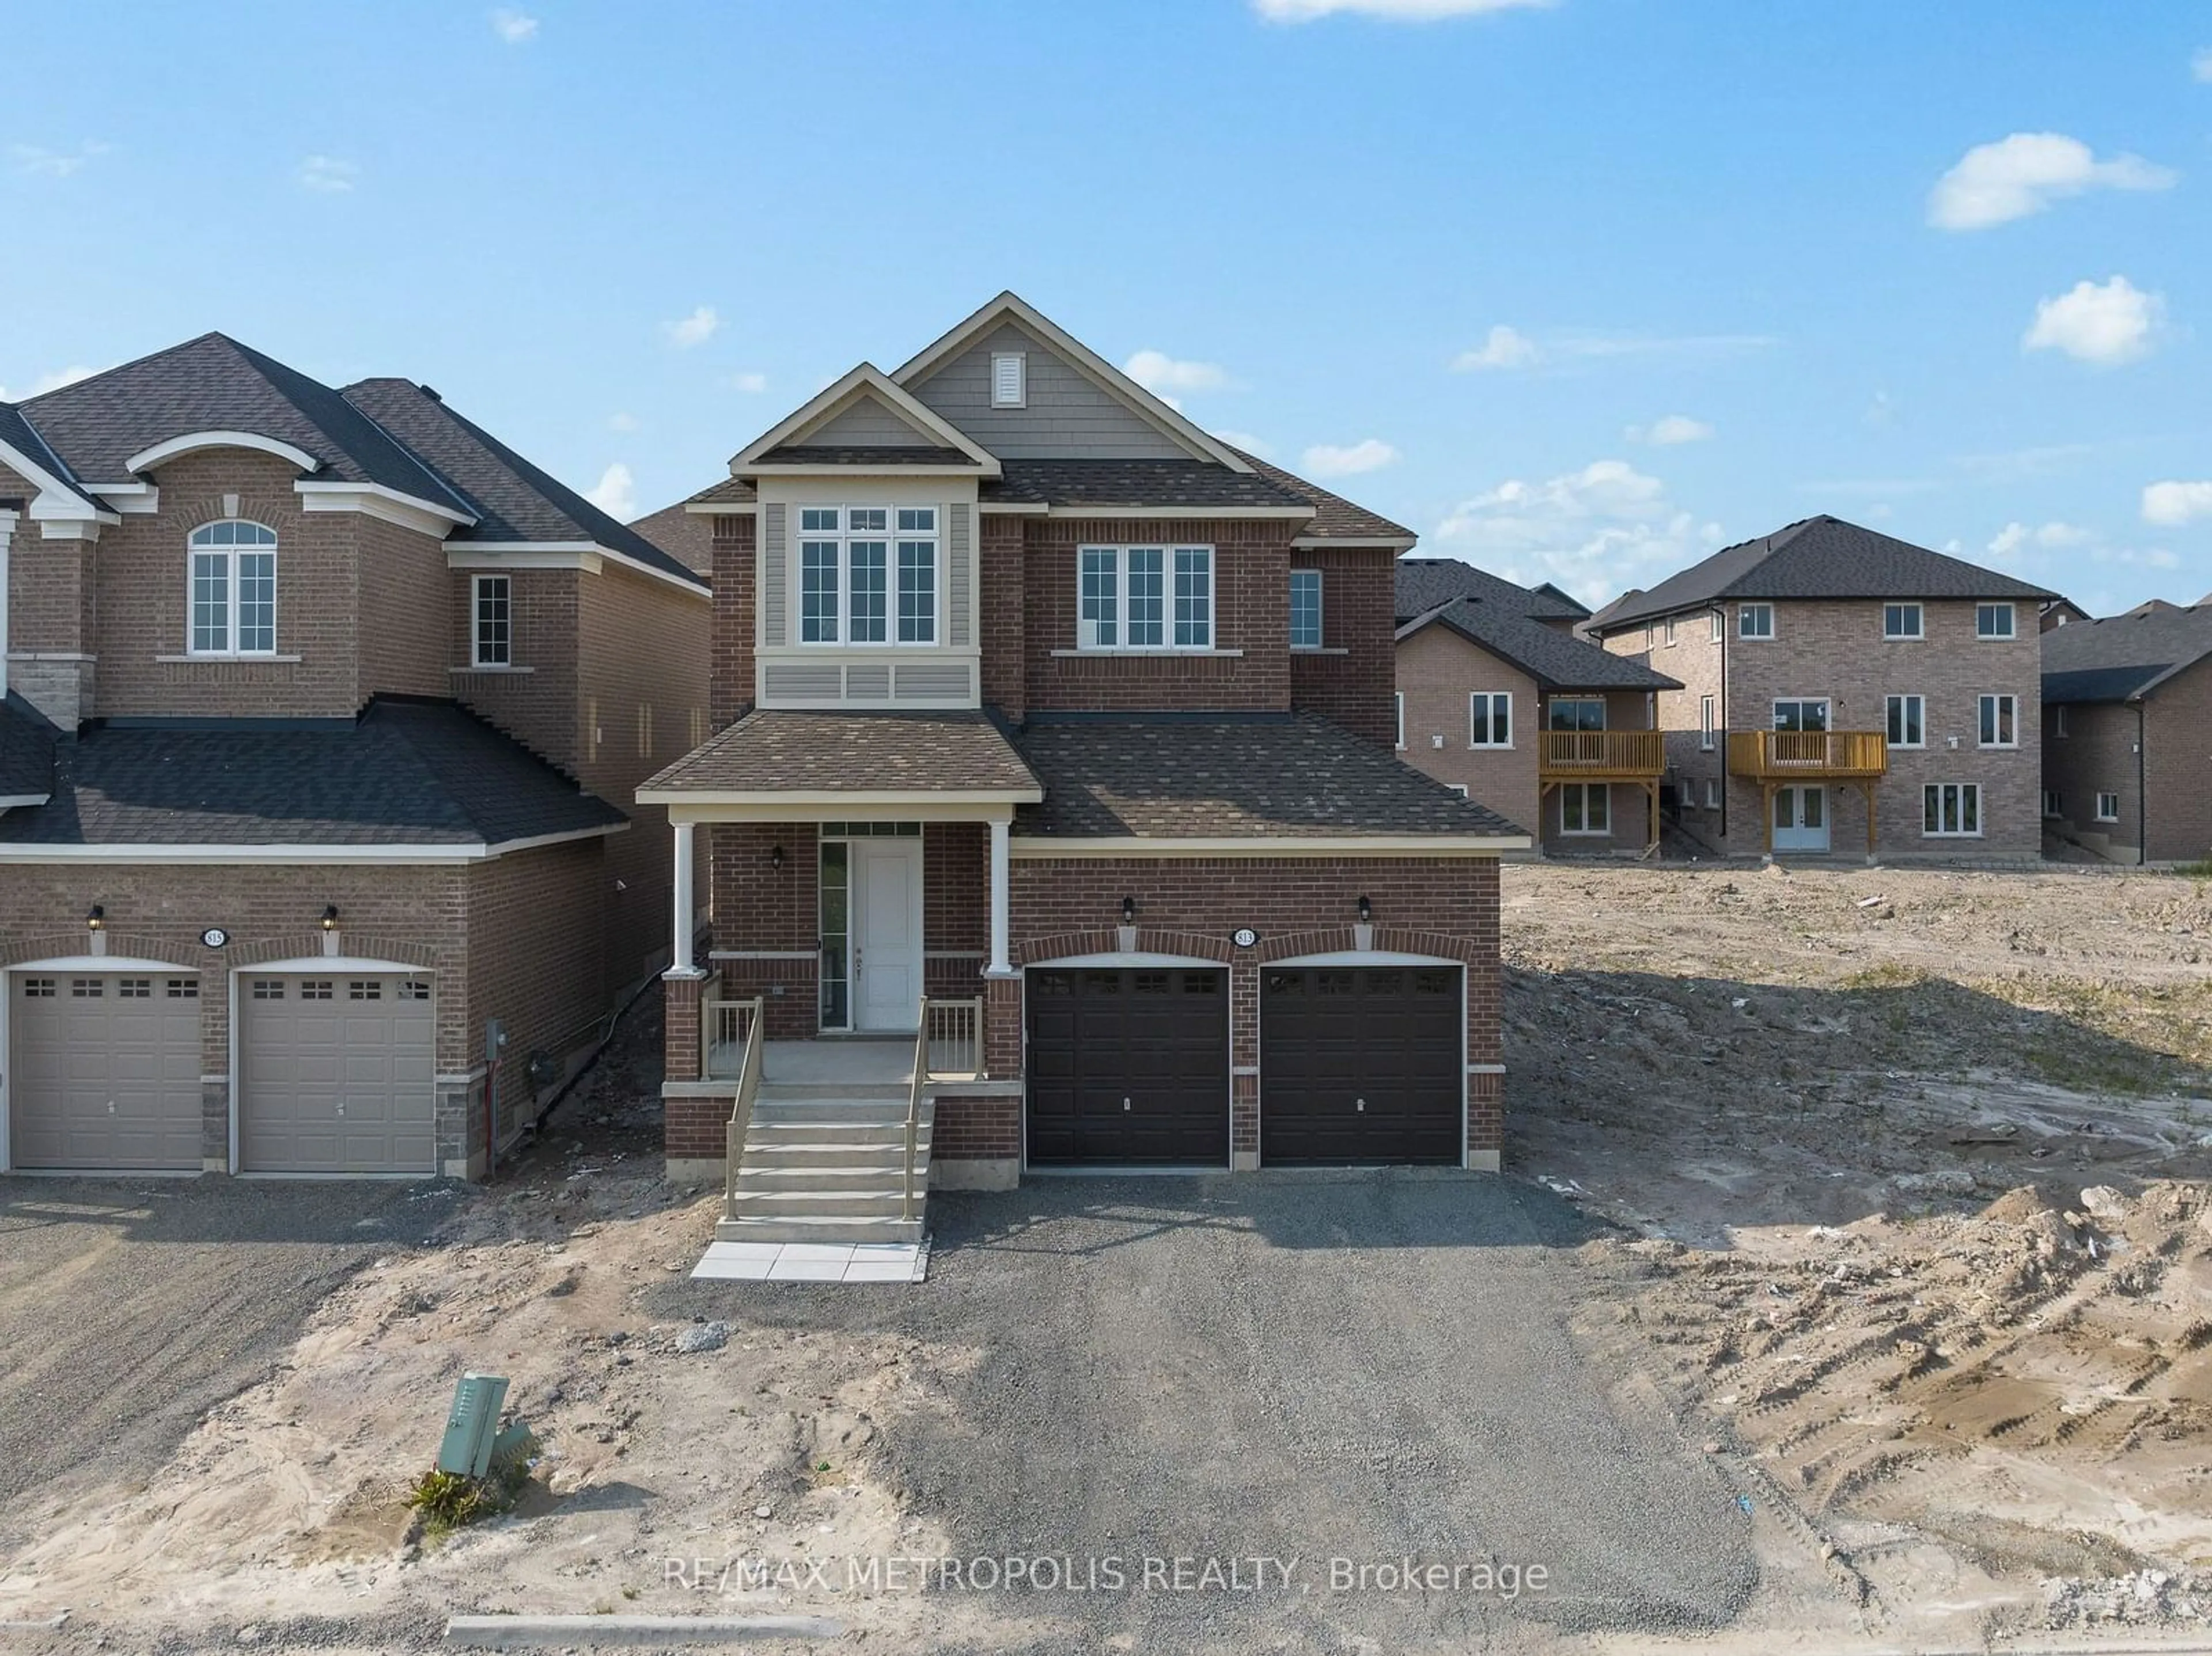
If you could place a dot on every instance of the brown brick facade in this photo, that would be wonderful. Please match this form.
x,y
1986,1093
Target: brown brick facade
x,y
1350,679
730,672
2168,785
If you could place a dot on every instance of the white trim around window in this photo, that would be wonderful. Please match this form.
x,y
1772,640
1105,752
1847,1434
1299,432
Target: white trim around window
x,y
2058,720
491,621
1708,710
1307,632
1904,621
868,575
1143,599
230,591
1906,721
1399,697
1490,718
1995,622
1585,809
1951,810
2108,807
1999,722
1755,621
2052,805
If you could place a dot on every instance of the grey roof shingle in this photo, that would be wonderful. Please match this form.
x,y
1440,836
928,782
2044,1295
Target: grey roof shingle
x,y
2123,657
862,454
21,436
1334,518
1425,584
26,750
1280,776
403,774
513,500
1822,557
788,750
685,535
1556,660
1107,483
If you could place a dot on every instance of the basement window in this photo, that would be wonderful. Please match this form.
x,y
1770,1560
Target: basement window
x,y
2108,807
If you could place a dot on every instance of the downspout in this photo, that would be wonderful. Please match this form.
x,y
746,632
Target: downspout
x,y
1721,735
2143,801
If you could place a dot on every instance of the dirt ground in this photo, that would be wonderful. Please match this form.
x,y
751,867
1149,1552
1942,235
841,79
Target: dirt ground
x,y
1902,1182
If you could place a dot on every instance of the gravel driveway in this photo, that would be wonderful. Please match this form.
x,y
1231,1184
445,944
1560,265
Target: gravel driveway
x,y
1355,1367
128,1307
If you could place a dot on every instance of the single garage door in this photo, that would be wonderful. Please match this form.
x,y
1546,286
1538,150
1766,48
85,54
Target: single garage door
x,y
1128,1067
106,1071
1360,1065
336,1075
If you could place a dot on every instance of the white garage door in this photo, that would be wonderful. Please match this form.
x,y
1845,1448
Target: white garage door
x,y
336,1075
106,1070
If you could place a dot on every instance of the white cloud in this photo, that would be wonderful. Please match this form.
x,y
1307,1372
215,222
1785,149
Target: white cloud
x,y
1396,11
46,382
513,27
2023,174
1670,429
2105,324
1331,460
2176,503
2051,537
1503,348
1158,373
751,384
621,422
615,493
2200,64
1595,532
1251,445
41,162
695,328
327,175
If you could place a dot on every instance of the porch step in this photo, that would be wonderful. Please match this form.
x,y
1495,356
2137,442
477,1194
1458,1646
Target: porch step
x,y
785,1177
868,1201
779,1152
817,1230
796,1092
840,1107
888,1136
829,1168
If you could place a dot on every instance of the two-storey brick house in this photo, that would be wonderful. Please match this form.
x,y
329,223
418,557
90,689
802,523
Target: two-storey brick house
x,y
323,711
1499,698
1844,690
1033,699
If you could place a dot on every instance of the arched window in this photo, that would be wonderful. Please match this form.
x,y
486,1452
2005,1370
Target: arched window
x,y
234,590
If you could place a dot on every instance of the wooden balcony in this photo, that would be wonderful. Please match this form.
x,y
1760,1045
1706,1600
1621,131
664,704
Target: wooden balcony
x,y
1602,755
1809,756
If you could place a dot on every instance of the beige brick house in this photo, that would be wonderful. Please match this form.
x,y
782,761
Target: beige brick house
x,y
1845,691
1052,807
1496,697
317,706
2127,733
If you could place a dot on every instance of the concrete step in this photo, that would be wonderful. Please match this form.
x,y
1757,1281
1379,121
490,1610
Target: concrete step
x,y
832,1129
800,1092
757,1178
881,1200
842,1108
800,1153
817,1230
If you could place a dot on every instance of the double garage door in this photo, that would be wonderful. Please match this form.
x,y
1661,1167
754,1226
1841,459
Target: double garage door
x,y
1130,1066
336,1073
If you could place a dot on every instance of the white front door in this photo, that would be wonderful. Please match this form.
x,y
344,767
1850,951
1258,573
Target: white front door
x,y
887,948
1801,819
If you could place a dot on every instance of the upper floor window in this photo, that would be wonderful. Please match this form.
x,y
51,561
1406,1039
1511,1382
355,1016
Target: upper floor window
x,y
1009,380
2000,721
233,589
1576,712
1145,598
849,558
1720,626
1908,721
494,623
1993,620
2058,721
1305,609
1902,620
1804,714
1668,632
1755,620
1490,718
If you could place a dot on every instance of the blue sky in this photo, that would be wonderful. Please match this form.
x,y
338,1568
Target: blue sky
x,y
1579,291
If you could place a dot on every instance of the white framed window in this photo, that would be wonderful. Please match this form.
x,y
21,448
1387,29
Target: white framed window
x,y
1490,718
1459,788
2000,724
1708,710
1669,632
1400,698
231,600
2108,807
1755,620
1585,808
1712,794
1145,598
1903,620
492,627
867,574
1951,810
1908,721
2051,803
1305,609
1720,626
1993,620
2058,720
1010,379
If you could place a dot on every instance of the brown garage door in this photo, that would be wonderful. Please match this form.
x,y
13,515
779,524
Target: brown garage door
x,y
106,1071
336,1075
1359,1065
1128,1067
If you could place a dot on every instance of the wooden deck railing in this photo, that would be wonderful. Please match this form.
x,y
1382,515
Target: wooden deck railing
x,y
1786,754
1625,754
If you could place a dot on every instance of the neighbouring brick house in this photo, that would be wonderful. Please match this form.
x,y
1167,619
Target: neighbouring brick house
x,y
2127,733
1497,698
1032,695
323,710
1843,690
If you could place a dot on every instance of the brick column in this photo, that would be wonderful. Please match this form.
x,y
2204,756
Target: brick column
x,y
1244,1062
1002,1027
680,1025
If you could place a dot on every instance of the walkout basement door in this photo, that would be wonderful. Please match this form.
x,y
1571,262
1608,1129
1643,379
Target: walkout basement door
x,y
337,1074
1129,1066
106,1071
1360,1065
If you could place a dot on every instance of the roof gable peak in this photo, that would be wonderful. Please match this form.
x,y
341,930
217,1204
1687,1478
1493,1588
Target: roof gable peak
x,y
864,382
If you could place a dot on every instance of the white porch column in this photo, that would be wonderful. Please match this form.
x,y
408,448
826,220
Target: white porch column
x,y
1001,966
679,958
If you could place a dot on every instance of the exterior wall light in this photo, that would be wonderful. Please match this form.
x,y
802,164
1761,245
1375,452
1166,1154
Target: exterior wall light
x,y
96,917
1366,911
776,858
1128,911
330,917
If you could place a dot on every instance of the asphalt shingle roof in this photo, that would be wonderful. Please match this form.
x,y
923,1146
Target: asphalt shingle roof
x,y
1282,776
788,750
1819,557
26,750
1556,660
19,434
685,535
2123,657
403,774
1334,518
1426,584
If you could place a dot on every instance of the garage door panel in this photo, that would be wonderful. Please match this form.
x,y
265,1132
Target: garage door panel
x,y
1129,1066
105,1071
337,1074
1361,1065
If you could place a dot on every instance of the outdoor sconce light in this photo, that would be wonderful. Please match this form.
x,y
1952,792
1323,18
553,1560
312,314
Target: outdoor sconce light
x,y
95,918
1128,911
1366,911
776,858
329,917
